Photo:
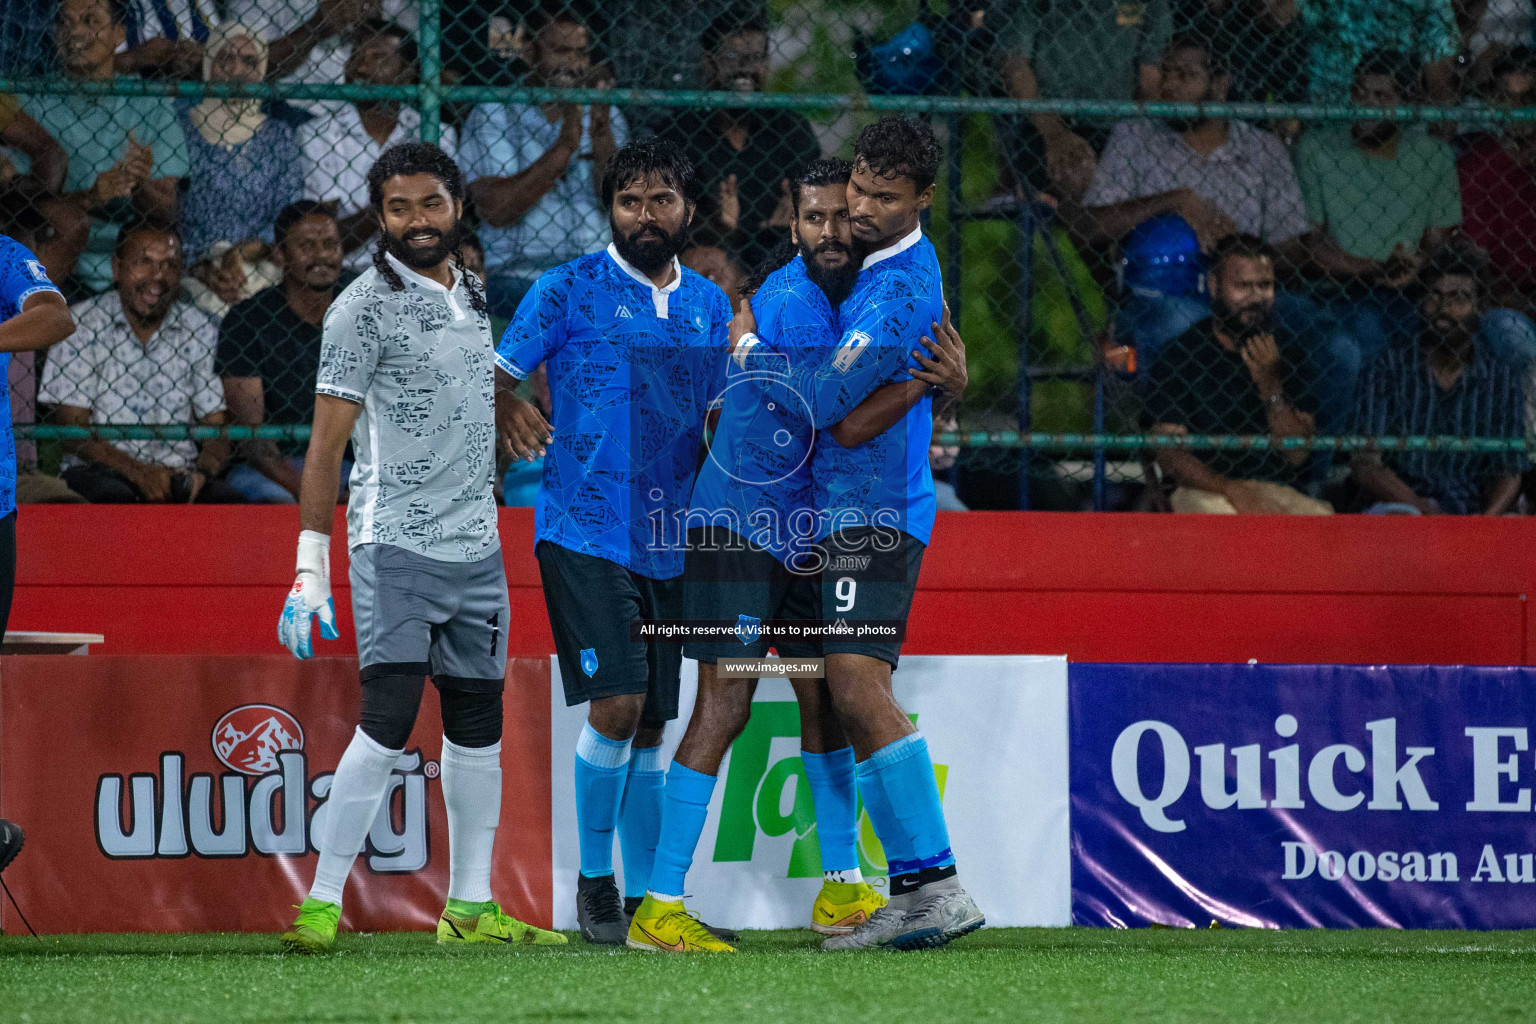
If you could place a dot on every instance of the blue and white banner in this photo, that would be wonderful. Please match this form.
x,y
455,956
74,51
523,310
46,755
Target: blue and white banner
x,y
1297,796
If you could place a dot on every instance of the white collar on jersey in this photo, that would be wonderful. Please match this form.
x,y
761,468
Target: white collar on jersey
x,y
427,282
891,250
660,296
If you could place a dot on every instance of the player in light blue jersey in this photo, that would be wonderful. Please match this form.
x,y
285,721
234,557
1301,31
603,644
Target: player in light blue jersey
x,y
876,507
748,562
635,350
33,316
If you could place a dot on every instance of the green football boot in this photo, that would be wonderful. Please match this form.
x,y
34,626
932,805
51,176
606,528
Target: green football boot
x,y
314,930
465,923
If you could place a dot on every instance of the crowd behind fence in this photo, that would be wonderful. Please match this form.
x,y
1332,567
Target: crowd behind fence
x,y
1191,272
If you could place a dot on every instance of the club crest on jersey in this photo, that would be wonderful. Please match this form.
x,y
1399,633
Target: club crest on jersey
x,y
849,351
589,662
37,271
748,629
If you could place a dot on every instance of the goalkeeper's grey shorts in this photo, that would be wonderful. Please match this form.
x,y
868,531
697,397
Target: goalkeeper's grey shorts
x,y
418,616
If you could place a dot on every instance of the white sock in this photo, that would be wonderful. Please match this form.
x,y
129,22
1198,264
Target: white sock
x,y
357,788
849,876
472,791
662,897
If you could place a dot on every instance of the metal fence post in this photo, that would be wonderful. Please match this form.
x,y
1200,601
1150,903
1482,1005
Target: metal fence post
x,y
430,92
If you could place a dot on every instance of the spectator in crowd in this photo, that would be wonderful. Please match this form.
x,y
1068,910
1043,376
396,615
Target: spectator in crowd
x,y
1344,32
26,44
1268,48
245,168
1444,382
140,356
343,141
1236,372
1221,176
534,170
744,155
1083,49
269,350
1380,196
1497,171
127,155
941,462
165,38
711,259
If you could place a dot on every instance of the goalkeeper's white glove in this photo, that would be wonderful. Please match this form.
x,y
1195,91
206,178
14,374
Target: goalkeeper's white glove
x,y
310,596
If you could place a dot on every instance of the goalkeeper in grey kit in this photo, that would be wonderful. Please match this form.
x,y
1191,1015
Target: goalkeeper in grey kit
x,y
407,372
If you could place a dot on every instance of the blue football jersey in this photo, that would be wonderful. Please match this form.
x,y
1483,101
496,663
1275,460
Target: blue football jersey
x,y
633,370
886,481
21,277
757,478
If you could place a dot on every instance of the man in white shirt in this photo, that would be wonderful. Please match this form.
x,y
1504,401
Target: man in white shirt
x,y
534,171
345,139
140,356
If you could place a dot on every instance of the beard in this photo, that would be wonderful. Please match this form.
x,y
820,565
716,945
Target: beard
x,y
648,249
835,282
421,259
1450,332
1242,323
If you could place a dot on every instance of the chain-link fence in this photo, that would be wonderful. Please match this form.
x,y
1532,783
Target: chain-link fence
x,y
1190,271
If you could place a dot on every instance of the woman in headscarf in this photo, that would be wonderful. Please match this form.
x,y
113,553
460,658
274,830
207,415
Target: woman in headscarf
x,y
245,168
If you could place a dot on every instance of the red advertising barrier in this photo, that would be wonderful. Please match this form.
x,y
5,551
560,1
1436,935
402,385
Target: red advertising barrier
x,y
1346,590
182,794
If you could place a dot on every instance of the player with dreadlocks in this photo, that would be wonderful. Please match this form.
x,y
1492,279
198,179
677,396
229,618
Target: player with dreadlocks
x,y
407,371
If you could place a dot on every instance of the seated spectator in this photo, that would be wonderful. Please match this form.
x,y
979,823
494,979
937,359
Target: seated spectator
x,y
1344,32
941,462
269,350
654,44
127,155
345,139
1445,382
743,156
1498,187
1235,373
1380,195
535,171
1268,48
1221,176
140,356
165,39
709,259
1083,49
1505,25
245,168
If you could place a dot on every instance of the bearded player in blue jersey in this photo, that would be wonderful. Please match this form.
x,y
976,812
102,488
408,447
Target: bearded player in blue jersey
x,y
749,560
635,348
875,506
33,316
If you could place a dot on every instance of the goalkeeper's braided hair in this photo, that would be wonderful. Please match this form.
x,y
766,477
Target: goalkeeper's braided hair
x,y
406,159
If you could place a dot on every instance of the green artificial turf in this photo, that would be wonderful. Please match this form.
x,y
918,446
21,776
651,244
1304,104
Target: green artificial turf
x,y
1007,974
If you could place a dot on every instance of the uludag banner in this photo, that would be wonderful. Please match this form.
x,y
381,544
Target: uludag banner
x,y
1291,796
184,794
997,728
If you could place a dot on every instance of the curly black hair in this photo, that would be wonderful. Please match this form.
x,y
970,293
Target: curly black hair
x,y
403,160
823,171
660,157
899,146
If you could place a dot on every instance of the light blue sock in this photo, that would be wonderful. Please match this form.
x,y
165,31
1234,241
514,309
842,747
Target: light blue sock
x,y
602,765
899,859
904,771
835,795
640,817
684,807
